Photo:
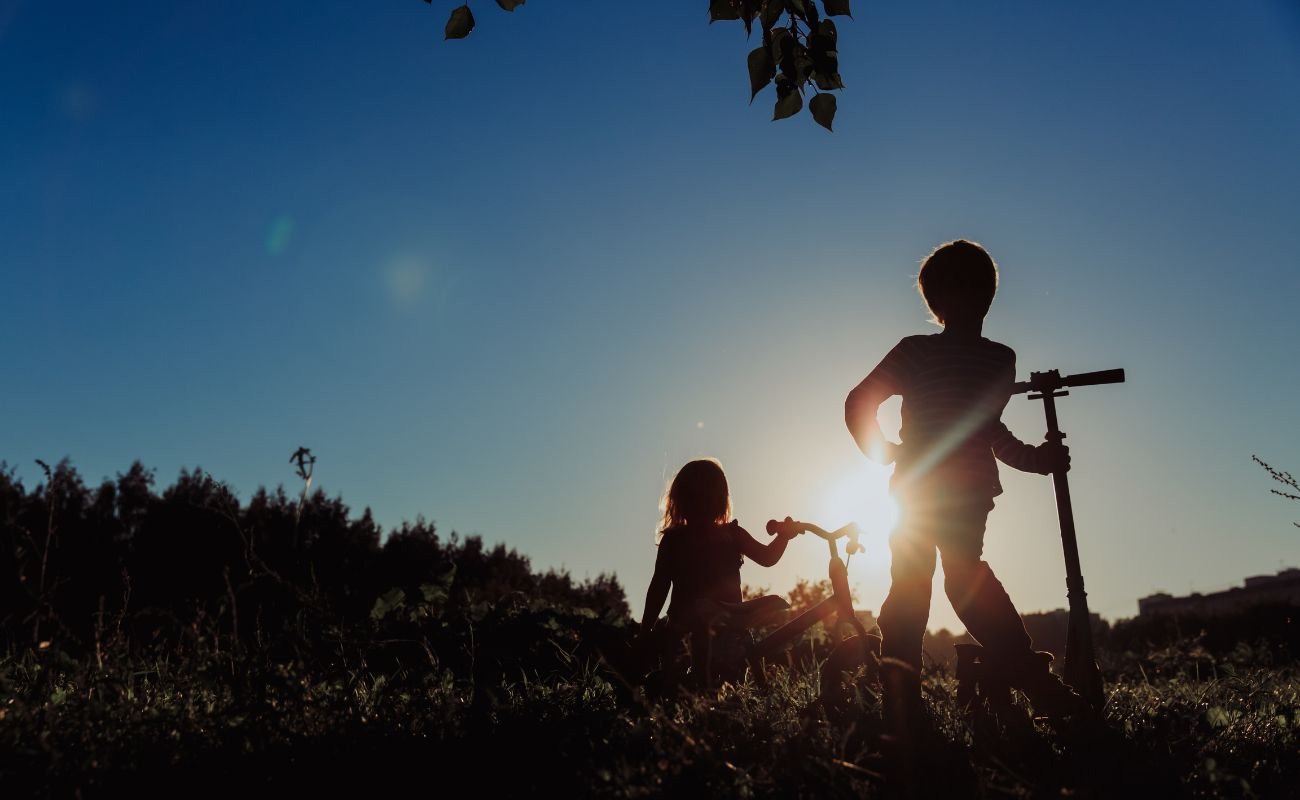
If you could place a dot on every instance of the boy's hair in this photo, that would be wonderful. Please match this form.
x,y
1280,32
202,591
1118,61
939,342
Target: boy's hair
x,y
698,494
958,276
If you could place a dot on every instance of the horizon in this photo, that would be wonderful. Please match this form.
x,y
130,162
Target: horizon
x,y
515,301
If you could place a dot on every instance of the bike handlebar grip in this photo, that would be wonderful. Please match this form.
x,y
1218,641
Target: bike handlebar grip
x,y
787,527
1095,378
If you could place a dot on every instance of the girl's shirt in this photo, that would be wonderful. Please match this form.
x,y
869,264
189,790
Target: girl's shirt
x,y
703,562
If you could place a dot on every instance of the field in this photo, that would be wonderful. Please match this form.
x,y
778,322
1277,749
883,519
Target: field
x,y
309,657
386,709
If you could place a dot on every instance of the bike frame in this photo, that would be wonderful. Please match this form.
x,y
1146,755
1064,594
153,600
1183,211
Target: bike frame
x,y
840,602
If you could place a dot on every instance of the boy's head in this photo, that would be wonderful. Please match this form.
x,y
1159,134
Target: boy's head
x,y
957,282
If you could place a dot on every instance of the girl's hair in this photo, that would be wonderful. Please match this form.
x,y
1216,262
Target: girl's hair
x,y
958,276
698,494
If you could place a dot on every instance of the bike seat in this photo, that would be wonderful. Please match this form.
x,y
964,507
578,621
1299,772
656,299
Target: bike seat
x,y
748,614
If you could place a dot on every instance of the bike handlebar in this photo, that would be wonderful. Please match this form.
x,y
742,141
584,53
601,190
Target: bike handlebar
x,y
791,527
1052,380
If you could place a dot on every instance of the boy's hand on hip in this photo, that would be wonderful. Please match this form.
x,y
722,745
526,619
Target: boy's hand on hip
x,y
886,453
1053,457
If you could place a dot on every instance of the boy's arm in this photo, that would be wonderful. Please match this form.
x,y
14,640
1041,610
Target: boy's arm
x,y
658,591
863,404
1044,459
765,555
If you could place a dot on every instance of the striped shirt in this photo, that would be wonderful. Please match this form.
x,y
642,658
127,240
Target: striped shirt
x,y
954,389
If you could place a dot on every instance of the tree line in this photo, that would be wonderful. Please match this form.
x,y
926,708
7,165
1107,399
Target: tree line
x,y
80,562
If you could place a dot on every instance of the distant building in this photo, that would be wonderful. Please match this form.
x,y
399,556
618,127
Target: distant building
x,y
1282,588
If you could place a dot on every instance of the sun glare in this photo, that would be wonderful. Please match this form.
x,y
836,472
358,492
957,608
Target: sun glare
x,y
861,495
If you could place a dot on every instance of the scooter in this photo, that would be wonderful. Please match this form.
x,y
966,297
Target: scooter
x,y
1081,670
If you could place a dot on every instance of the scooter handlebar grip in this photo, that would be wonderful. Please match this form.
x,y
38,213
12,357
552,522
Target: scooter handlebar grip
x,y
1095,378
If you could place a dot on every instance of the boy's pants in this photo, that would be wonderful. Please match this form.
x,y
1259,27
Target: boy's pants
x,y
955,527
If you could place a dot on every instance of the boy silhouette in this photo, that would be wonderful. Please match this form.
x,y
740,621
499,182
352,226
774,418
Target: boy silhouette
x,y
954,385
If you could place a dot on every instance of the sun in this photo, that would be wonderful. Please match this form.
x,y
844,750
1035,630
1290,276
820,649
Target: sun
x,y
861,494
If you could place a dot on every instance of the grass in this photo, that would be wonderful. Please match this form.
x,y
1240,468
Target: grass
x,y
206,719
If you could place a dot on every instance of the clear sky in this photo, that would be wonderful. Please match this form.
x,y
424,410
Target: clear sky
x,y
513,282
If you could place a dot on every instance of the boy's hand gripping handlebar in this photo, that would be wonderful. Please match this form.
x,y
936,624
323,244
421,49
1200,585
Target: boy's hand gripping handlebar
x,y
791,527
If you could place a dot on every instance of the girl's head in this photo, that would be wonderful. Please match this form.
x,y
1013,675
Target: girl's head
x,y
698,495
958,281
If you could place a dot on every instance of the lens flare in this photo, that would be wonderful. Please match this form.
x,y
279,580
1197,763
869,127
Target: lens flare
x,y
861,495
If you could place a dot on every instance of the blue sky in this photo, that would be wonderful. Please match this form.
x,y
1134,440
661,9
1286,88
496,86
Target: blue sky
x,y
513,282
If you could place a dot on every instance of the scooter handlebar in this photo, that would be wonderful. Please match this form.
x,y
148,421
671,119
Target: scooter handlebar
x,y
1051,380
1094,378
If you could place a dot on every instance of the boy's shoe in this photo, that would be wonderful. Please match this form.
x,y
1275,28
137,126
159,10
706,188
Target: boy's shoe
x,y
1048,694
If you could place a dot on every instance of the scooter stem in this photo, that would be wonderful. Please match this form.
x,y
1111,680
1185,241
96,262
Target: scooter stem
x,y
1081,670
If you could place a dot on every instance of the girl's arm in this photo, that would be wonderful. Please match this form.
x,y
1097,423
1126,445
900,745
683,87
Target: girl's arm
x,y
764,555
657,594
863,404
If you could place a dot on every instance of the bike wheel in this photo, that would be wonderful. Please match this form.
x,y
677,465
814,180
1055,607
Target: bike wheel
x,y
849,675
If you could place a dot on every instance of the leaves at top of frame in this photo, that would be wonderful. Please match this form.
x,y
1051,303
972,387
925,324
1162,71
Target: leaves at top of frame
x,y
510,5
837,8
459,24
789,101
723,9
761,70
772,11
823,109
782,44
749,10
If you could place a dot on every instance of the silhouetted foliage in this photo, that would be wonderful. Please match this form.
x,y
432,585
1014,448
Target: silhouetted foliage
x,y
1292,491
1269,633
799,50
73,557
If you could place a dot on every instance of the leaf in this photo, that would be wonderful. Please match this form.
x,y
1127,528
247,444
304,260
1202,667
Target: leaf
x,y
772,11
748,13
803,65
761,70
459,24
780,38
390,601
837,8
510,5
788,103
826,81
823,109
722,9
